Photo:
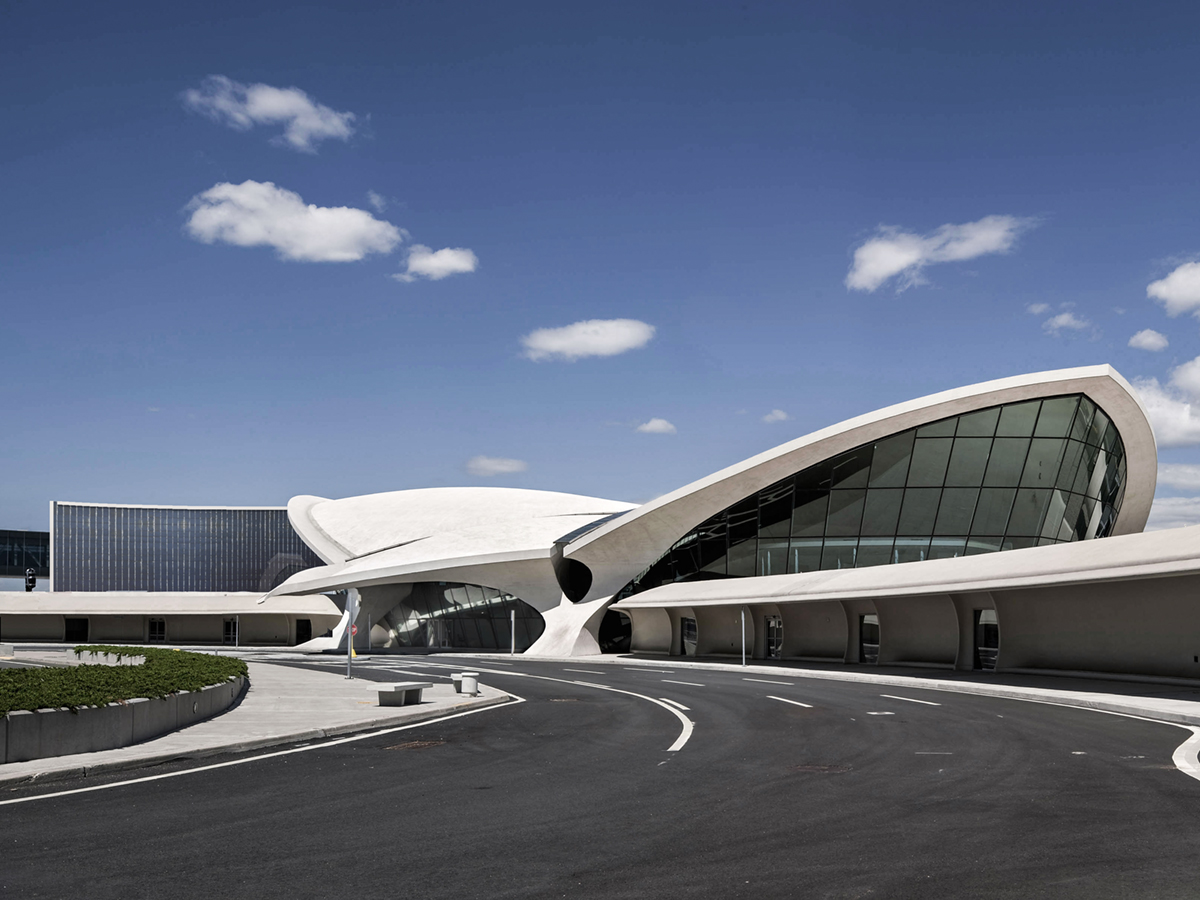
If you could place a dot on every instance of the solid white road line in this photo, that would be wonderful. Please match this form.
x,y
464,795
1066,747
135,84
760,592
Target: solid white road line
x,y
655,671
586,671
766,681
881,714
1185,756
934,753
910,699
240,762
793,702
688,683
674,703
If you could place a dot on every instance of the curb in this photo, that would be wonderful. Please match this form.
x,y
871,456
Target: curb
x,y
156,759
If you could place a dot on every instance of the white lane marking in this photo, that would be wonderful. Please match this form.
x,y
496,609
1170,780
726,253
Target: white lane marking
x,y
934,753
766,681
688,683
881,714
655,671
586,671
1079,753
910,699
674,703
239,762
793,702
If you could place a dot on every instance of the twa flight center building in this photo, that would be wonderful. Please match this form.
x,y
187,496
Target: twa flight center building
x,y
992,526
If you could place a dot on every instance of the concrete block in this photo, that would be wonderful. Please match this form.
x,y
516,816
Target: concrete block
x,y
6,651
3,739
190,706
24,736
152,717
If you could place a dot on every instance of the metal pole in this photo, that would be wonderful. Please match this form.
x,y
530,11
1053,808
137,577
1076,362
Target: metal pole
x,y
237,631
743,635
512,631
368,632
350,597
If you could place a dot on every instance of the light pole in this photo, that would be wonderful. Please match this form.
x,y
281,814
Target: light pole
x,y
743,635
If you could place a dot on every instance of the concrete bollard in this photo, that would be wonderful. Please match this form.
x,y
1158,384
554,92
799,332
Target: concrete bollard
x,y
470,683
457,679
6,651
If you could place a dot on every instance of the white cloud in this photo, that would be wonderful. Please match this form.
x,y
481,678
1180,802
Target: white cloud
x,y
657,426
1036,309
378,201
1173,512
1175,422
1179,475
488,466
776,415
260,214
241,106
1148,339
437,264
592,337
894,252
1179,292
1065,320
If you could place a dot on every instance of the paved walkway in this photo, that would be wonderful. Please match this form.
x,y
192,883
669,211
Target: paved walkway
x,y
284,704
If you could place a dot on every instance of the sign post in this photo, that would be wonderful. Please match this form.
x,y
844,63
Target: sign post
x,y
512,632
743,635
351,628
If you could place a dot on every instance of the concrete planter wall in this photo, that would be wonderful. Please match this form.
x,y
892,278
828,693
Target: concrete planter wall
x,y
28,735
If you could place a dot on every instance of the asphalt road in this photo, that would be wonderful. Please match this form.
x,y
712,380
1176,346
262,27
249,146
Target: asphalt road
x,y
573,793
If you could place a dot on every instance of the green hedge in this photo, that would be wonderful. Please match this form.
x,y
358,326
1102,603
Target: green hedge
x,y
164,672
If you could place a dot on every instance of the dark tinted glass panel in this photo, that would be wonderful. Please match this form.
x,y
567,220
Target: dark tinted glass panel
x,y
882,511
955,511
889,466
930,456
968,461
845,512
1018,420
919,510
999,494
808,518
472,617
1056,417
979,424
1006,462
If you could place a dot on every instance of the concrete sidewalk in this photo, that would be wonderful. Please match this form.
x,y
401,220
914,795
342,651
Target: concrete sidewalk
x,y
283,704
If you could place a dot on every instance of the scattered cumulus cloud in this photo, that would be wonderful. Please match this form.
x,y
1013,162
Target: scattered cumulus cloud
x,y
1036,309
1172,413
1179,292
261,214
1173,512
242,106
378,201
775,415
1065,321
1179,475
657,426
437,264
489,466
893,252
592,337
1148,339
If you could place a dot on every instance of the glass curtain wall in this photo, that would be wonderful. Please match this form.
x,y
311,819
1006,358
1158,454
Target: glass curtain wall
x,y
463,616
1019,475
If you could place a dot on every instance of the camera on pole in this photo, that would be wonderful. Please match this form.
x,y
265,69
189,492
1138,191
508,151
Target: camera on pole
x,y
30,579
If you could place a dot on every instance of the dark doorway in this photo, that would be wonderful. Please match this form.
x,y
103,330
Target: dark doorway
x,y
156,630
616,631
75,630
774,637
987,639
230,634
687,635
303,630
868,639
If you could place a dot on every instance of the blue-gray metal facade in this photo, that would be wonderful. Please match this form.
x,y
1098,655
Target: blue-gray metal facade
x,y
21,550
124,548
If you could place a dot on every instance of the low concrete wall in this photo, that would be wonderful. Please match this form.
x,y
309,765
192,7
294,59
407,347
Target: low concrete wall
x,y
28,735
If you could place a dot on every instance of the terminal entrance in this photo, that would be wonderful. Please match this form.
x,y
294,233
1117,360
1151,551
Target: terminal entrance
x,y
774,632
868,639
987,639
687,635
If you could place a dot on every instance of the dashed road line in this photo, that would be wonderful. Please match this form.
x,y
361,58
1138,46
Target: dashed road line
x,y
586,671
688,683
793,702
881,714
674,703
910,700
768,681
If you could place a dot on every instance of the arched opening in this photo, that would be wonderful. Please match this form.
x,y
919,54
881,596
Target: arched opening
x,y
615,633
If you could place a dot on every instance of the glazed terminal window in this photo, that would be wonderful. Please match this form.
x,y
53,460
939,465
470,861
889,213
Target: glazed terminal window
x,y
1018,475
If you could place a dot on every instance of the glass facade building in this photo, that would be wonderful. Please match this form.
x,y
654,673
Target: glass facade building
x,y
1007,477
463,616
129,548
21,550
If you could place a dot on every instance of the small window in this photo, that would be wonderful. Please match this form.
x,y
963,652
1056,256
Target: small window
x,y
157,631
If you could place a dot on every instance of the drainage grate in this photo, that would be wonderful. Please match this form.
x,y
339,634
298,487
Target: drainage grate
x,y
415,745
822,770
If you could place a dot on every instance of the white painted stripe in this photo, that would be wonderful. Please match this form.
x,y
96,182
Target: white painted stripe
x,y
674,703
688,683
655,671
586,671
910,699
240,762
881,714
793,702
766,681
1185,756
934,753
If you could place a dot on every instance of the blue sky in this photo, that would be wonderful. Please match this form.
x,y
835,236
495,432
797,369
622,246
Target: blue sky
x,y
780,216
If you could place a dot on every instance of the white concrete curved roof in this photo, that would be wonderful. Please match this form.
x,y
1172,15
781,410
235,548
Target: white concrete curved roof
x,y
1154,554
618,550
